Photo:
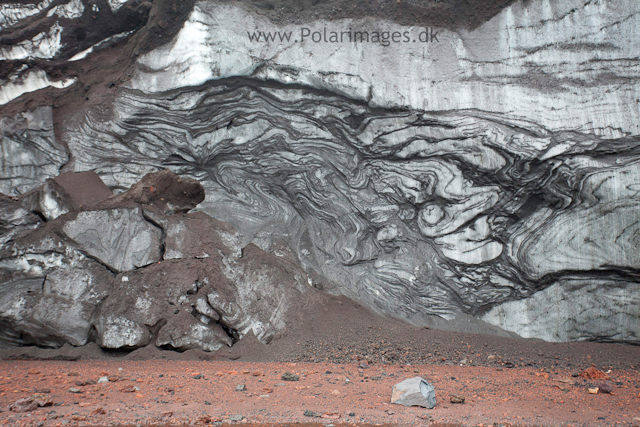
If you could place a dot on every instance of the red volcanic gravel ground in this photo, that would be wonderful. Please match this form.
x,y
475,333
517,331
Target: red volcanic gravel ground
x,y
161,392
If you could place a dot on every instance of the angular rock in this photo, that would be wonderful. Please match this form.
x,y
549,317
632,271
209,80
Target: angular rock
x,y
265,289
42,399
120,238
164,190
288,376
120,332
169,294
197,235
185,332
605,388
49,292
414,392
15,221
456,398
66,192
26,404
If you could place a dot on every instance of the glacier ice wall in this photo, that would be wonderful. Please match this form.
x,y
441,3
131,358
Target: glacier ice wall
x,y
561,64
415,213
490,172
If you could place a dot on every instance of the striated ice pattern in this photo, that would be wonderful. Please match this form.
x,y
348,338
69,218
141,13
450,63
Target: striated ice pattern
x,y
414,213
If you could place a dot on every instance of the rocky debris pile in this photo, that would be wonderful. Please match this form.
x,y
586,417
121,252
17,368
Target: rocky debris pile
x,y
128,270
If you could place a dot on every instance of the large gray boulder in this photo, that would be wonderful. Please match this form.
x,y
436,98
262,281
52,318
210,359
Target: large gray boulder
x,y
114,331
185,332
142,300
266,292
15,221
414,391
49,292
121,238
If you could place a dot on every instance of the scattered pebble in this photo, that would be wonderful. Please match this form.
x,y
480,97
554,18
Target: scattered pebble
x,y
288,376
330,416
456,398
363,364
593,374
605,388
241,387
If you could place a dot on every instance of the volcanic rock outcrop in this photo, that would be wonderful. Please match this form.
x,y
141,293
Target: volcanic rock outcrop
x,y
424,165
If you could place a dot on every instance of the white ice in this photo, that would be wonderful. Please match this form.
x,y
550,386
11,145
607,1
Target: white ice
x,y
12,13
486,69
72,10
43,45
116,4
28,82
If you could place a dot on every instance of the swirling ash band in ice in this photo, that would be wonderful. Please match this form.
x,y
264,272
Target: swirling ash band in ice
x,y
411,212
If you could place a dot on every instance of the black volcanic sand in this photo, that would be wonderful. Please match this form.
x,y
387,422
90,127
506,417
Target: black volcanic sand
x,y
337,330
